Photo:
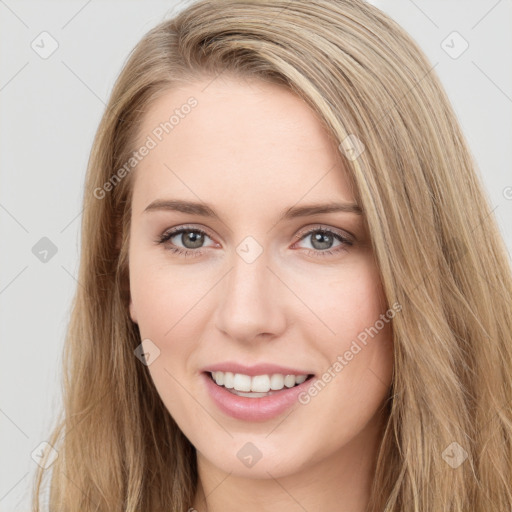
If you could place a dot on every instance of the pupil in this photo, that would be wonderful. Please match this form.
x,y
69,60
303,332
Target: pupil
x,y
319,240
194,238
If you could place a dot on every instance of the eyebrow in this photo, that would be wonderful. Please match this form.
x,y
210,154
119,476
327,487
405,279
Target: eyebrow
x,y
293,212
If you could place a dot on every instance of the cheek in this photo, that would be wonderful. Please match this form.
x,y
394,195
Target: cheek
x,y
163,297
171,311
345,300
356,341
164,303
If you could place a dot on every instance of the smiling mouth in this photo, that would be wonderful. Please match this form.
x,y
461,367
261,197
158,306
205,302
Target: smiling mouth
x,y
299,380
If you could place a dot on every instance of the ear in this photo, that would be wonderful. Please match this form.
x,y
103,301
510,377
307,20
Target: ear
x,y
133,315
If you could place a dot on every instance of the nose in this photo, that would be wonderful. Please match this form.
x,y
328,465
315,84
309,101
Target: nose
x,y
252,301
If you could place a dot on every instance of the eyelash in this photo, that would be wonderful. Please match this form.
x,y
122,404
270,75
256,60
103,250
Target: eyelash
x,y
165,237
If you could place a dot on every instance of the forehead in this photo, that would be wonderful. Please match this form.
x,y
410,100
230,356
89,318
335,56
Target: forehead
x,y
246,142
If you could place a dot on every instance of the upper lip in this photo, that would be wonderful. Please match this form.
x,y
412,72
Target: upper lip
x,y
257,369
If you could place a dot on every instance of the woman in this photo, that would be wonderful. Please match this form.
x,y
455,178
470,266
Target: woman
x,y
293,295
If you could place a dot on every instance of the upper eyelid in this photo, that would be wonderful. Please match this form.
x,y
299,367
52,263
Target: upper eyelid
x,y
323,227
176,230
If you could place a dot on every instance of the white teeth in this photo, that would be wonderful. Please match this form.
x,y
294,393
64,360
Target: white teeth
x,y
242,382
300,379
228,379
277,381
289,381
218,377
258,383
249,395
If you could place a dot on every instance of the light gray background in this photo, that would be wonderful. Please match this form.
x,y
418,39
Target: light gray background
x,y
50,109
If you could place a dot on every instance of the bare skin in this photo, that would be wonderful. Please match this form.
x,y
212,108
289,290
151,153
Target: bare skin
x,y
251,150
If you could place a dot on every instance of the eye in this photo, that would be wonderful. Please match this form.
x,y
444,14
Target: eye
x,y
191,238
322,240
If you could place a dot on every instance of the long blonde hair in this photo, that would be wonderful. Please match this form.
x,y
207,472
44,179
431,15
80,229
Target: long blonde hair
x,y
436,242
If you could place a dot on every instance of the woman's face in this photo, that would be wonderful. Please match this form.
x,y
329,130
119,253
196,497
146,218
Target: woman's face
x,y
260,279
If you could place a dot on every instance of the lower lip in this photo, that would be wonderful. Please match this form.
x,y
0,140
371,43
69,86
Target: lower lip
x,y
254,409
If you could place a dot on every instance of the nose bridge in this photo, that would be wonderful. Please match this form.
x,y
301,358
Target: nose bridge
x,y
249,304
